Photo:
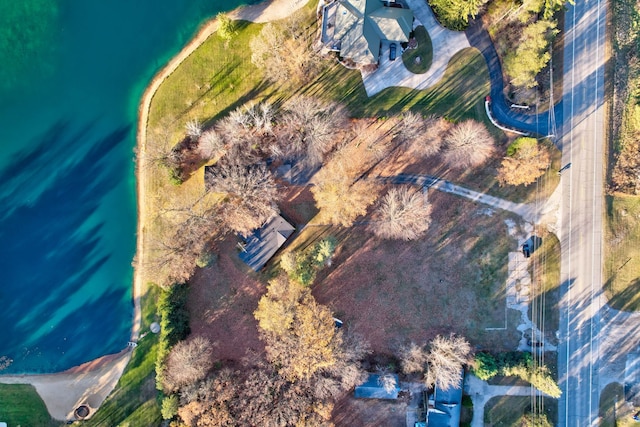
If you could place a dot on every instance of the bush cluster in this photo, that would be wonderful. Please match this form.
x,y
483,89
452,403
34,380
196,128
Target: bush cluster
x,y
303,266
515,364
174,325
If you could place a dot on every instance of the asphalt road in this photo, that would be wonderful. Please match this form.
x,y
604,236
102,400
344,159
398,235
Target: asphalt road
x,y
582,203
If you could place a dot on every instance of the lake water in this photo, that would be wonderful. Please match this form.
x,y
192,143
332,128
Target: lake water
x,y
71,78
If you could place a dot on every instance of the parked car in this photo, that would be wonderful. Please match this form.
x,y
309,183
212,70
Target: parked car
x,y
392,52
526,250
532,343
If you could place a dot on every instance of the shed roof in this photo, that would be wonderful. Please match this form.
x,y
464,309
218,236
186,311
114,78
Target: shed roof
x,y
373,389
262,245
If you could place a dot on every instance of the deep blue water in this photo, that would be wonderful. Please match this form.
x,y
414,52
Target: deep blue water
x,y
71,78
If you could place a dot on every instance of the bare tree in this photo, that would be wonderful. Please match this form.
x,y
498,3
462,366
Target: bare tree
x,y
283,50
210,143
308,128
173,256
410,127
193,129
468,144
422,135
247,131
266,50
447,356
413,358
251,195
189,361
402,214
158,153
388,382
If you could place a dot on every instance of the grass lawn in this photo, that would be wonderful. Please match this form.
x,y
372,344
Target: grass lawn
x,y
459,95
424,51
613,410
544,310
133,402
391,291
21,405
216,78
219,76
622,252
508,410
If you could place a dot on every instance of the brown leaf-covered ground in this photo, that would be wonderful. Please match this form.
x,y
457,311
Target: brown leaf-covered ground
x,y
453,280
222,299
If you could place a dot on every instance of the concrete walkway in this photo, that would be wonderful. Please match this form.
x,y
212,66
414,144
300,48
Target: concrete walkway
x,y
446,43
525,210
481,392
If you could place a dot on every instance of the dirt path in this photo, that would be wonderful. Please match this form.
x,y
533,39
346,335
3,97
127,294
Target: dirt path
x,y
91,383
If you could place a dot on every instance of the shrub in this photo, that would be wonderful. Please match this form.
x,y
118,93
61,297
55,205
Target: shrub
x,y
188,362
174,325
516,364
206,258
169,407
485,366
303,266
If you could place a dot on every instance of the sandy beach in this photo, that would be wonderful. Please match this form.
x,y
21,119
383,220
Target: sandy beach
x,y
90,383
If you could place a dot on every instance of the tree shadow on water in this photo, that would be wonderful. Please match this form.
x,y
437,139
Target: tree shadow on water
x,y
54,250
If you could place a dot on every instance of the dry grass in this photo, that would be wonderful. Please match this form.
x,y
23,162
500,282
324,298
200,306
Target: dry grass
x,y
222,299
508,410
396,291
350,412
544,310
613,410
622,252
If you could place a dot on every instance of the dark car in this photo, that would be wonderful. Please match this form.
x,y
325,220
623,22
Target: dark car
x,y
532,343
392,52
526,250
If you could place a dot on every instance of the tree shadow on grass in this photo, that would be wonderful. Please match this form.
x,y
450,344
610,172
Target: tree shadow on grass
x,y
626,300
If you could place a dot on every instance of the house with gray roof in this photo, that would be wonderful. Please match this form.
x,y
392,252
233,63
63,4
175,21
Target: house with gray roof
x,y
445,407
264,242
357,28
379,387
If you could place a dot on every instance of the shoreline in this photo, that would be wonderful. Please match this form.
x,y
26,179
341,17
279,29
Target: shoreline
x,y
268,10
91,382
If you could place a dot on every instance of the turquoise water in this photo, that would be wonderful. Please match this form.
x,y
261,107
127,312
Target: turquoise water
x,y
71,79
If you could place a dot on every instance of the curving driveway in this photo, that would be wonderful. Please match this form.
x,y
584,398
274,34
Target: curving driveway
x,y
446,43
536,124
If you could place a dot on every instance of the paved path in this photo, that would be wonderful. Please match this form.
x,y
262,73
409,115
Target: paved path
x,y
526,211
446,43
580,356
479,38
481,392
